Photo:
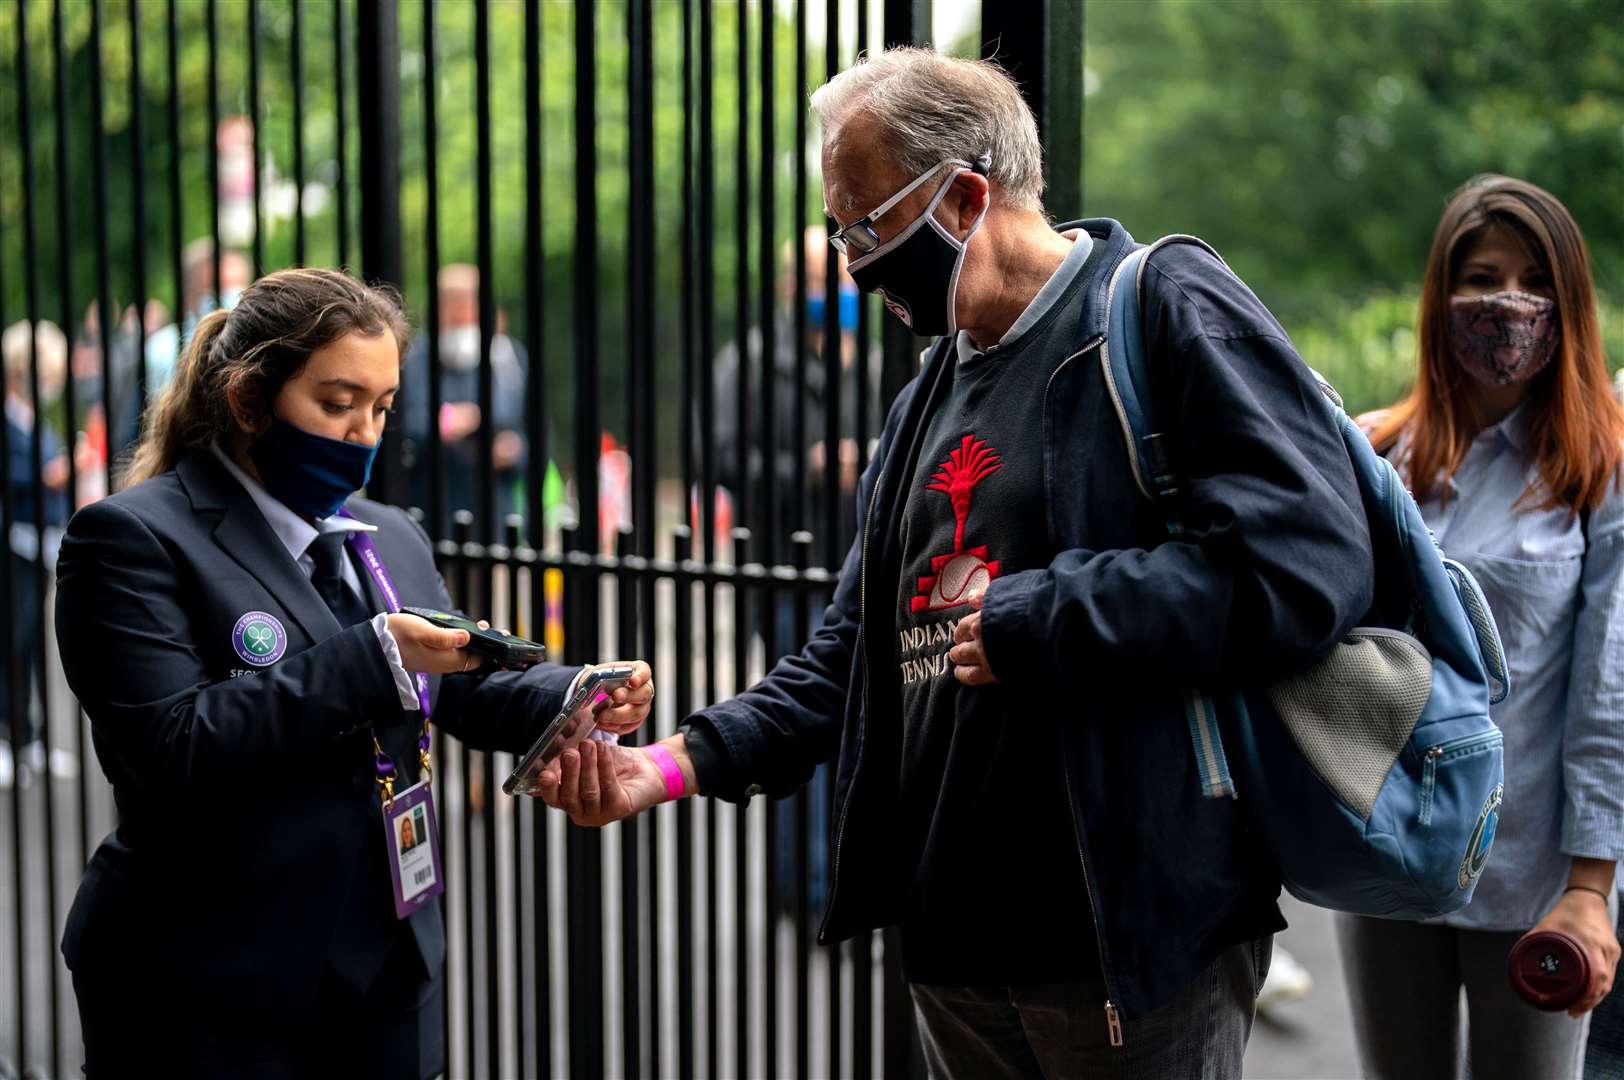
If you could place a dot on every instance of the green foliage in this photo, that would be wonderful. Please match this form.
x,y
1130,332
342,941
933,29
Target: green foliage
x,y
1312,142
1368,353
1315,144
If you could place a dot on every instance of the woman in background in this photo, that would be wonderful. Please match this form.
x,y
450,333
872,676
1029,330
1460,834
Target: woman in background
x,y
1512,442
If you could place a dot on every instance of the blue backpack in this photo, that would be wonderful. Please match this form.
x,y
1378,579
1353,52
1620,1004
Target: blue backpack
x,y
1375,777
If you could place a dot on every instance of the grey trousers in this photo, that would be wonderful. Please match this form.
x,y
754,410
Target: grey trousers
x,y
1404,982
1059,1031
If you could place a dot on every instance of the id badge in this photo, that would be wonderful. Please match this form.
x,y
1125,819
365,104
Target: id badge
x,y
413,834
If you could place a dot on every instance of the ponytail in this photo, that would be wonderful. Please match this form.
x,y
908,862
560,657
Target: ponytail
x,y
184,410
250,352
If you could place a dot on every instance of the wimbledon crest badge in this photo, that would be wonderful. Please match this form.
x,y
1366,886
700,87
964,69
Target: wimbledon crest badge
x,y
259,639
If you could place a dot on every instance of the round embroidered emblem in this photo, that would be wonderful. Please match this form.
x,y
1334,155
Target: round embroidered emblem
x,y
259,639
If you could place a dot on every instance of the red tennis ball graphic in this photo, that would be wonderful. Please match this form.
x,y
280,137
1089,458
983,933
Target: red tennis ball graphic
x,y
961,573
960,579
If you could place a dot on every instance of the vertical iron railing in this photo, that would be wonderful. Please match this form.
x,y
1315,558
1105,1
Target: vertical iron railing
x,y
710,558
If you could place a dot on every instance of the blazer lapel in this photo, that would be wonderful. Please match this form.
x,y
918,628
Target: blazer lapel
x,y
247,537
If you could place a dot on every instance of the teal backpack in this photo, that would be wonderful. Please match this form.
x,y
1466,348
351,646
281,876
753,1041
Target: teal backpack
x,y
1375,777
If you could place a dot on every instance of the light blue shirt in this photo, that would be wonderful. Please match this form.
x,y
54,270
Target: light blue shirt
x,y
1559,603
297,534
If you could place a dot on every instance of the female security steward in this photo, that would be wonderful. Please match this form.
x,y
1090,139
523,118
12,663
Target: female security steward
x,y
231,623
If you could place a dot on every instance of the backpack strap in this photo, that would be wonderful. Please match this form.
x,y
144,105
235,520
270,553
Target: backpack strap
x,y
1125,361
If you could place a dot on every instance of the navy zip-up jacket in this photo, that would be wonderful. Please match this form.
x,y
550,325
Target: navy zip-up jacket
x,y
1275,570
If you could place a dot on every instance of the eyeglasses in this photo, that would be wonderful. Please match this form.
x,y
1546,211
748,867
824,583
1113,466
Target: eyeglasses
x,y
860,238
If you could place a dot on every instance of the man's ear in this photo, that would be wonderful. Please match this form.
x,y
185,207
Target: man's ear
x,y
971,192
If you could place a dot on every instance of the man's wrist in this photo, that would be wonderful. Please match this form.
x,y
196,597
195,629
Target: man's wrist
x,y
670,755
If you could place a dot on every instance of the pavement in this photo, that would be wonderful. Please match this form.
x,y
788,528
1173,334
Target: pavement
x,y
1311,1039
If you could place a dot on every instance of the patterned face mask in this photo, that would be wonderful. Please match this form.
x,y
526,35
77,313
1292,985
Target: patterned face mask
x,y
1503,338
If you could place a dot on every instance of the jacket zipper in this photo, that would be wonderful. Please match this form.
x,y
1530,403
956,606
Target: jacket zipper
x,y
862,618
1113,1015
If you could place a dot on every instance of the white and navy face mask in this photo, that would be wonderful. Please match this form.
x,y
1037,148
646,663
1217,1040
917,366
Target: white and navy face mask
x,y
916,272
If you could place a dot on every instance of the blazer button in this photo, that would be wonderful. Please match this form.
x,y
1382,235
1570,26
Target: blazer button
x,y
752,791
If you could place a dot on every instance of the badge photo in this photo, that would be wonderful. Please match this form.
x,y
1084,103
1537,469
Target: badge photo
x,y
259,639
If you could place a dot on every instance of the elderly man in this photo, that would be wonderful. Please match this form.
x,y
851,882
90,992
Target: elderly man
x,y
1001,669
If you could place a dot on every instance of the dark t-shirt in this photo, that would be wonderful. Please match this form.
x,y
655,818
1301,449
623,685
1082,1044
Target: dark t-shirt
x,y
997,896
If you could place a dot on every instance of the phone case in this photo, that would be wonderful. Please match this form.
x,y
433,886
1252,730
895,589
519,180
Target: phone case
x,y
560,735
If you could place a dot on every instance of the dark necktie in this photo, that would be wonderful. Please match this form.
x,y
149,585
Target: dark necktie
x,y
327,551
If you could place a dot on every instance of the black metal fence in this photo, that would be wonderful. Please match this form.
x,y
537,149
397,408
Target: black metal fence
x,y
663,469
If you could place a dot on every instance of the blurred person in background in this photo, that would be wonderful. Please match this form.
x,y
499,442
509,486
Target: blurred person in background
x,y
198,299
791,507
45,479
1512,442
460,419
791,510
165,335
111,441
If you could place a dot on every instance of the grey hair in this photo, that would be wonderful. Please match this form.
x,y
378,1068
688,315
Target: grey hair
x,y
934,107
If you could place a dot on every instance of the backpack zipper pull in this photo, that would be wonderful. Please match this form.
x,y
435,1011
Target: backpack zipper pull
x,y
1113,1023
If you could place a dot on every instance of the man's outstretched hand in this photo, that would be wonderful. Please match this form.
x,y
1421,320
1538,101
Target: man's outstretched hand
x,y
600,782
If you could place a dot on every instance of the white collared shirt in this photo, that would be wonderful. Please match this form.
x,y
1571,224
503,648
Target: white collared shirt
x,y
297,534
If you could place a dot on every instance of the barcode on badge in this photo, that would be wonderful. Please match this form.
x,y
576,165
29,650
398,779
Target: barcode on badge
x,y
423,876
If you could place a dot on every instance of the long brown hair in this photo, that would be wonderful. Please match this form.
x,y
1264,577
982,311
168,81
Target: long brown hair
x,y
1576,425
251,351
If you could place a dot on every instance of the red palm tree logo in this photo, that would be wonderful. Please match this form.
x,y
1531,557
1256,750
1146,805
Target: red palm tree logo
x,y
961,572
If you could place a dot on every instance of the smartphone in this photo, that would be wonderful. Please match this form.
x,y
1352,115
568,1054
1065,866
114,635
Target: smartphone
x,y
573,724
504,650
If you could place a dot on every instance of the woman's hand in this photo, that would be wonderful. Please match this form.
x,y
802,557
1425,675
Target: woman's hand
x,y
1582,915
433,650
629,706
598,782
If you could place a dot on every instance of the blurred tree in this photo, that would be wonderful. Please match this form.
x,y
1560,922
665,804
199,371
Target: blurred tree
x,y
1314,144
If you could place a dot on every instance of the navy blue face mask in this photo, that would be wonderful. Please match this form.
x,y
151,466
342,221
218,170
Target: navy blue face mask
x,y
311,474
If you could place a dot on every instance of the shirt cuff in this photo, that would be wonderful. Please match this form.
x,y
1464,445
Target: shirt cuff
x,y
1594,835
405,686
712,765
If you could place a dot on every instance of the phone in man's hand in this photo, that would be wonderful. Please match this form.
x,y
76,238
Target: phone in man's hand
x,y
570,727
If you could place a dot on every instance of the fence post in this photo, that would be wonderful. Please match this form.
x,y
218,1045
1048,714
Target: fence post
x,y
1041,45
377,47
906,22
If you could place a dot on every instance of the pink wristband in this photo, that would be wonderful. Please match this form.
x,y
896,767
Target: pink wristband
x,y
675,783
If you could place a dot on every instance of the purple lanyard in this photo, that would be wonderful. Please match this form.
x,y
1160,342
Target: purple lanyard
x,y
361,543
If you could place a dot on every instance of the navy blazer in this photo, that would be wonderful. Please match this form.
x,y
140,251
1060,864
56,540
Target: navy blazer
x,y
249,854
